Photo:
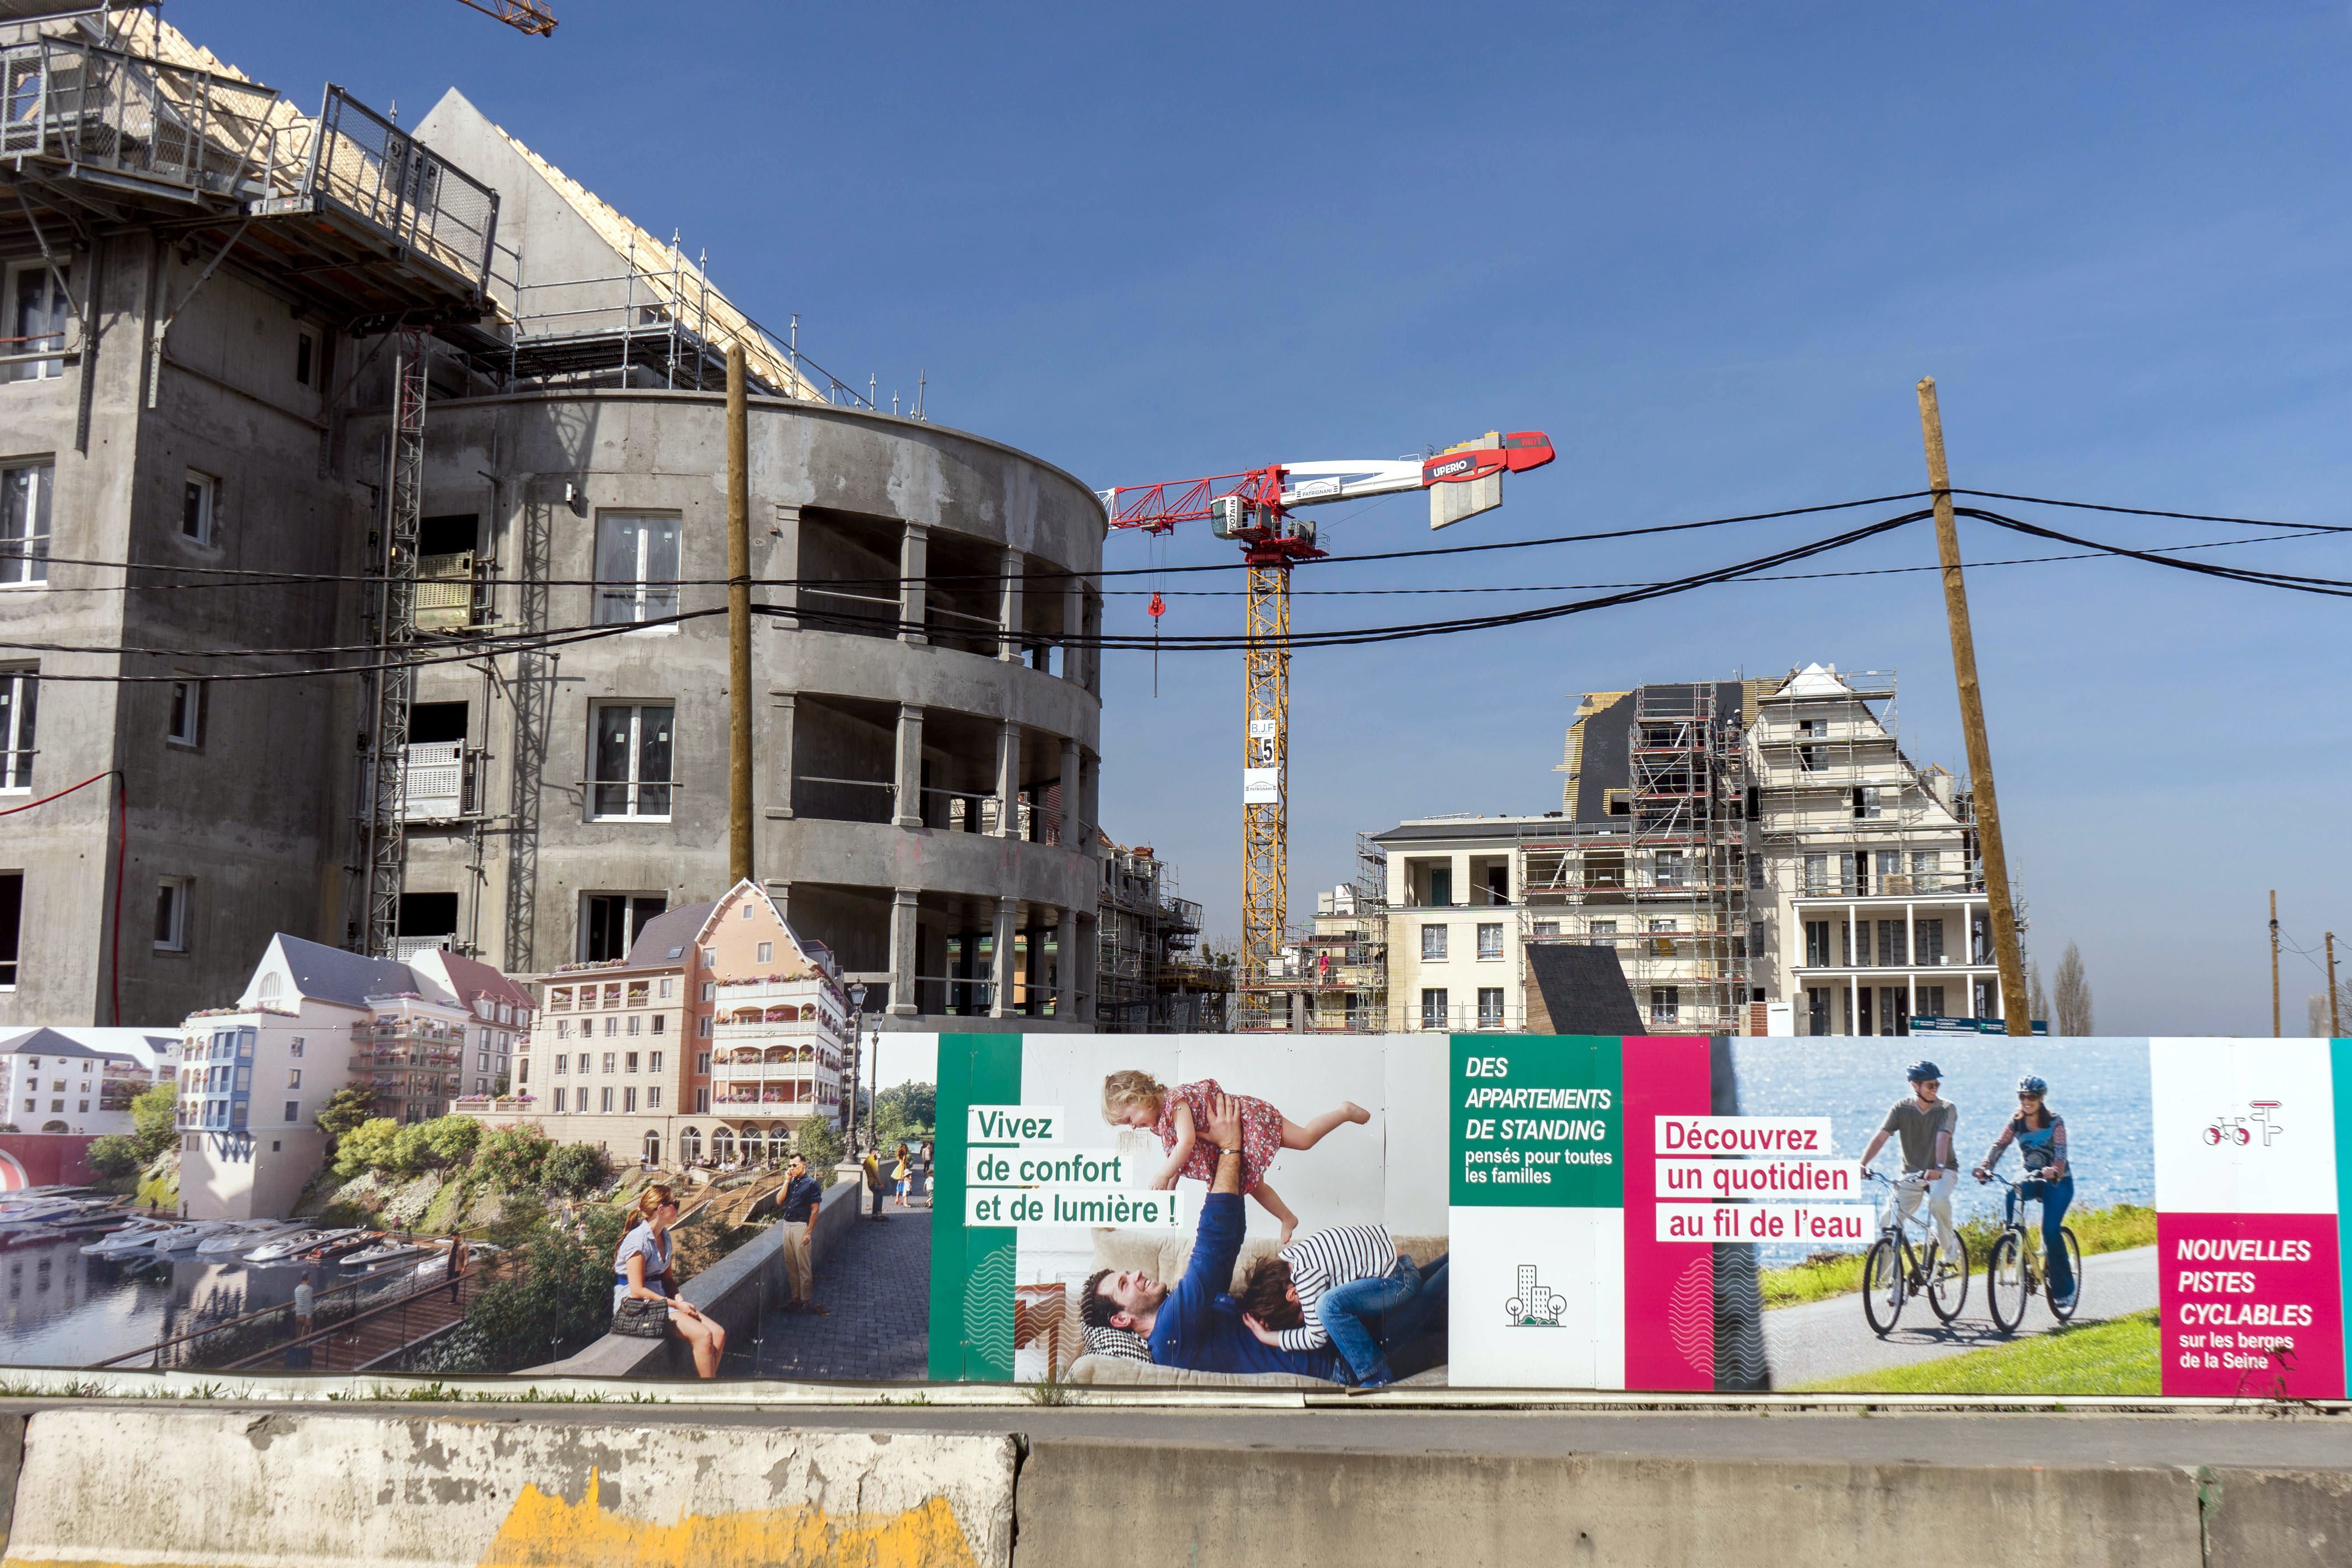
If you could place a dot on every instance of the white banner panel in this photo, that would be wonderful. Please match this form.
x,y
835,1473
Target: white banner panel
x,y
1760,1180
1536,1298
1260,786
1802,1138
1050,1165
2242,1126
1068,1207
1013,1124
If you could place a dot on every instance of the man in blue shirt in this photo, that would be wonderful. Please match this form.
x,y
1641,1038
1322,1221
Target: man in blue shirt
x,y
802,1198
1195,1323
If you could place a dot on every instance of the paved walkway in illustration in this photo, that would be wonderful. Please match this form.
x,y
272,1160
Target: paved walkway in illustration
x,y
1829,1339
877,1286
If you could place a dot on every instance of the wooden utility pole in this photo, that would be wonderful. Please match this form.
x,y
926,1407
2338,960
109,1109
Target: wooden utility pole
x,y
739,622
2274,985
2335,1017
2017,1008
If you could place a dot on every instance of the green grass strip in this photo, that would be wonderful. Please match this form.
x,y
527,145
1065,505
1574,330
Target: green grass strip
x,y
2120,1355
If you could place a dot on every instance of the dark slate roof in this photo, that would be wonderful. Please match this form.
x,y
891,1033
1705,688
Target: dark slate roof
x,y
672,928
1584,990
332,975
49,1042
1601,764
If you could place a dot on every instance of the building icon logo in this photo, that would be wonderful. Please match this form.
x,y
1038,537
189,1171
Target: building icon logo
x,y
1536,1305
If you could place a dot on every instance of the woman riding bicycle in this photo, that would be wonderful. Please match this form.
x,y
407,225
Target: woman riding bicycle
x,y
2040,1134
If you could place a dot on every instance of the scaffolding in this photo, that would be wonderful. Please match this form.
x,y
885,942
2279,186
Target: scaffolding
x,y
1662,874
1150,977
1336,979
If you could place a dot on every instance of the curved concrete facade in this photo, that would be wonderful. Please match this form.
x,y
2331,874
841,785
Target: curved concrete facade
x,y
924,732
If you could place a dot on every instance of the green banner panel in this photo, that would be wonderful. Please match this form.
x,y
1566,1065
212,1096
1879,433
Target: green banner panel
x,y
1538,1122
971,1267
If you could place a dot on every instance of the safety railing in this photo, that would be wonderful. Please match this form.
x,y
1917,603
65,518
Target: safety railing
x,y
172,129
367,166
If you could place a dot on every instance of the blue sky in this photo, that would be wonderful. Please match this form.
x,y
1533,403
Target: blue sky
x,y
1710,249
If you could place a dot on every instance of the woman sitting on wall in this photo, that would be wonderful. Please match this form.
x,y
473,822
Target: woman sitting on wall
x,y
642,1272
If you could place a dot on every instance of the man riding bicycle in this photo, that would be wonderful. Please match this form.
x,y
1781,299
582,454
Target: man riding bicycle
x,y
1927,1124
2040,1134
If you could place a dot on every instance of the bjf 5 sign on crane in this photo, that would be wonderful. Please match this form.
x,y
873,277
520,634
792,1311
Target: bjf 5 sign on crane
x,y
1254,509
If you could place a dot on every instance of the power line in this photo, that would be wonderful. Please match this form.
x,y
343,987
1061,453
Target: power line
x,y
2151,512
2333,587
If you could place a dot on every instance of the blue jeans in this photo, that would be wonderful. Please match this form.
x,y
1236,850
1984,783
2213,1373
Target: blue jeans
x,y
2054,1195
1368,1319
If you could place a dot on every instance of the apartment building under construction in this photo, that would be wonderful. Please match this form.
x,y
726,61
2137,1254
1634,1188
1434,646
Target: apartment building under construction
x,y
407,414
1760,854
1151,973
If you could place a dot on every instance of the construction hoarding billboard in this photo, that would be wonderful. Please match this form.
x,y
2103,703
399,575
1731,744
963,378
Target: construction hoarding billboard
x,y
1658,1214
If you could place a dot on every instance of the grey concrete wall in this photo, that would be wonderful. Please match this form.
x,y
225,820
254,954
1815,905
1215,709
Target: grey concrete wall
x,y
256,815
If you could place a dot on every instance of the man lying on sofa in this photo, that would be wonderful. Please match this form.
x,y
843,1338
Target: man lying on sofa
x,y
1196,1324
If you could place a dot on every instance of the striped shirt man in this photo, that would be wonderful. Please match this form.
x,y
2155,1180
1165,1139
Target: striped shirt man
x,y
1324,1261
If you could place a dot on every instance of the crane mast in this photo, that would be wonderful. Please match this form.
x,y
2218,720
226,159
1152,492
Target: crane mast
x,y
1254,509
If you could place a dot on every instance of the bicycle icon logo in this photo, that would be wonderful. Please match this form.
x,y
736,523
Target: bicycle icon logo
x,y
2239,1131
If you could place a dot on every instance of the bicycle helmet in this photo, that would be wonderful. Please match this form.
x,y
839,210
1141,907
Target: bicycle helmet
x,y
1924,1070
2031,1084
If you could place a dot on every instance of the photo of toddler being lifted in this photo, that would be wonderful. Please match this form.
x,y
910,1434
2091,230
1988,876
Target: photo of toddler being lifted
x,y
1136,1099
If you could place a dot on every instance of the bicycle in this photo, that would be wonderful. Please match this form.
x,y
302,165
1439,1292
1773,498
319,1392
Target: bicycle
x,y
2014,1268
1893,1271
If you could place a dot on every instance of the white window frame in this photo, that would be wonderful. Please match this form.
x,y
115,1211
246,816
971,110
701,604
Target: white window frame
x,y
184,720
1498,1015
1495,928
1432,951
21,686
621,601
1434,1004
633,783
203,490
25,557
19,278
172,935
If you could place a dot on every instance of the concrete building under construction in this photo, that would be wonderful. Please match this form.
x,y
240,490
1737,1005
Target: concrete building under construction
x,y
411,406
1761,855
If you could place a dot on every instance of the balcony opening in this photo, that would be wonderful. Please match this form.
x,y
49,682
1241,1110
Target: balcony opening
x,y
452,591
959,772
849,573
439,782
963,594
844,758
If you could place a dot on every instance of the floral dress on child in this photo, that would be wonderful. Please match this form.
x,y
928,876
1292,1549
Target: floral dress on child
x,y
1261,1132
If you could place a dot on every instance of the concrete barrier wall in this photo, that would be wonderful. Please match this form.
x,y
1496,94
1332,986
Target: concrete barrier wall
x,y
732,1292
1082,1504
233,1488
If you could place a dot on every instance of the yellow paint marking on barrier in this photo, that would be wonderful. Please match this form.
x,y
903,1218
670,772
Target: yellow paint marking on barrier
x,y
544,1532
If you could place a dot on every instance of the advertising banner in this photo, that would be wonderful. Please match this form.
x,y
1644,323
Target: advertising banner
x,y
2162,1217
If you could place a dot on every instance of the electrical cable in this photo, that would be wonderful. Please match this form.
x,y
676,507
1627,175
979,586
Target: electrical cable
x,y
2152,512
2333,587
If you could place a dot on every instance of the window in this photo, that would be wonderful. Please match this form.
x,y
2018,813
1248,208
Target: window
x,y
1666,1004
628,1100
705,990
608,1061
1817,943
1669,867
702,1061
1930,933
661,1022
185,725
293,1078
631,752
1892,948
563,1029
1490,940
653,1097
709,961
294,1046
611,1028
561,1058
1441,884
653,1061
1817,874
1490,1007
559,1100
20,701
636,568
25,523
632,1062
702,1026
1433,1006
668,987
1433,942
637,1024
1866,808
172,915
606,1099
1547,928
767,949
293,1110
702,1101
1602,932
38,320
306,349
522,1070
611,921
12,911
200,508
